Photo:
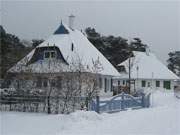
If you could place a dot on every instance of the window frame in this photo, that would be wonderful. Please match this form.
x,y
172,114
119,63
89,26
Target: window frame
x,y
39,82
100,82
53,83
157,84
59,82
167,85
143,83
45,83
50,54
119,83
124,82
45,52
105,84
111,84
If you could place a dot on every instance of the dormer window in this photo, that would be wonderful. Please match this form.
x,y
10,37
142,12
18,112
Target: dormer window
x,y
49,54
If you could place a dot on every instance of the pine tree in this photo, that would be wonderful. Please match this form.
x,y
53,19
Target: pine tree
x,y
12,50
115,49
174,62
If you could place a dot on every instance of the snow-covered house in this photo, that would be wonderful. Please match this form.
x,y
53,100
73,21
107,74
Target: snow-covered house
x,y
146,71
67,50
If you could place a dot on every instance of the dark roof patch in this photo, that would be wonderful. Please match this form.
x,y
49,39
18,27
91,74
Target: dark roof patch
x,y
61,30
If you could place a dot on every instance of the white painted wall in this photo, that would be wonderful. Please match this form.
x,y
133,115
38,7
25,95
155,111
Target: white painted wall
x,y
102,90
138,84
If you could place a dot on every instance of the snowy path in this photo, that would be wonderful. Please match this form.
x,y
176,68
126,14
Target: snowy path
x,y
162,119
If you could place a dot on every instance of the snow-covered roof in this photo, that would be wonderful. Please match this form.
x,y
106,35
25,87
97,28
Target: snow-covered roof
x,y
83,51
146,66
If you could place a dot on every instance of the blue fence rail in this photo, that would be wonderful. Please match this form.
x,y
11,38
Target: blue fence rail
x,y
120,102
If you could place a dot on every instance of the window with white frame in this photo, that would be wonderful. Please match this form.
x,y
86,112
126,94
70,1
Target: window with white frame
x,y
124,82
105,84
157,83
39,82
45,83
49,54
143,83
119,82
100,82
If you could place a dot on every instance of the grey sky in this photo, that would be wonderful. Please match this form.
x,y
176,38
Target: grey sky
x,y
156,23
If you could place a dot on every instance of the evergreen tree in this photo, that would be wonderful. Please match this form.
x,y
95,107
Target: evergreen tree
x,y
12,50
174,62
115,49
36,42
137,45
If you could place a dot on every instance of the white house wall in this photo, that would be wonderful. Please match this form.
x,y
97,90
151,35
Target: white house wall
x,y
102,90
153,84
138,84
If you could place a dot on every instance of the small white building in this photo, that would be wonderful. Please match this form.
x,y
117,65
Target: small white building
x,y
146,72
66,48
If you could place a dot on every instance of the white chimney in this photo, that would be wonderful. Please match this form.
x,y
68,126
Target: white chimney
x,y
147,49
71,21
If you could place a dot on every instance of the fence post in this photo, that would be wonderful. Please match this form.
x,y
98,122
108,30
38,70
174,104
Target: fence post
x,y
97,104
122,101
148,100
86,103
48,105
57,104
143,102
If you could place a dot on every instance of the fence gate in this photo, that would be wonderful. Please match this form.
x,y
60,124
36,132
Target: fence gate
x,y
120,102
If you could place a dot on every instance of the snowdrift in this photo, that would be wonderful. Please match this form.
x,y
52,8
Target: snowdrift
x,y
161,119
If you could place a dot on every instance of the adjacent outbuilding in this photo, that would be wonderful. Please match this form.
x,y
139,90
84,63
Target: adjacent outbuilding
x,y
146,72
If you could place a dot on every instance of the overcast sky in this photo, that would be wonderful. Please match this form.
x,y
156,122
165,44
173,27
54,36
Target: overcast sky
x,y
156,23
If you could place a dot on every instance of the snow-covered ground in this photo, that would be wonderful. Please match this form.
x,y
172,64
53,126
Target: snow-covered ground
x,y
163,118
